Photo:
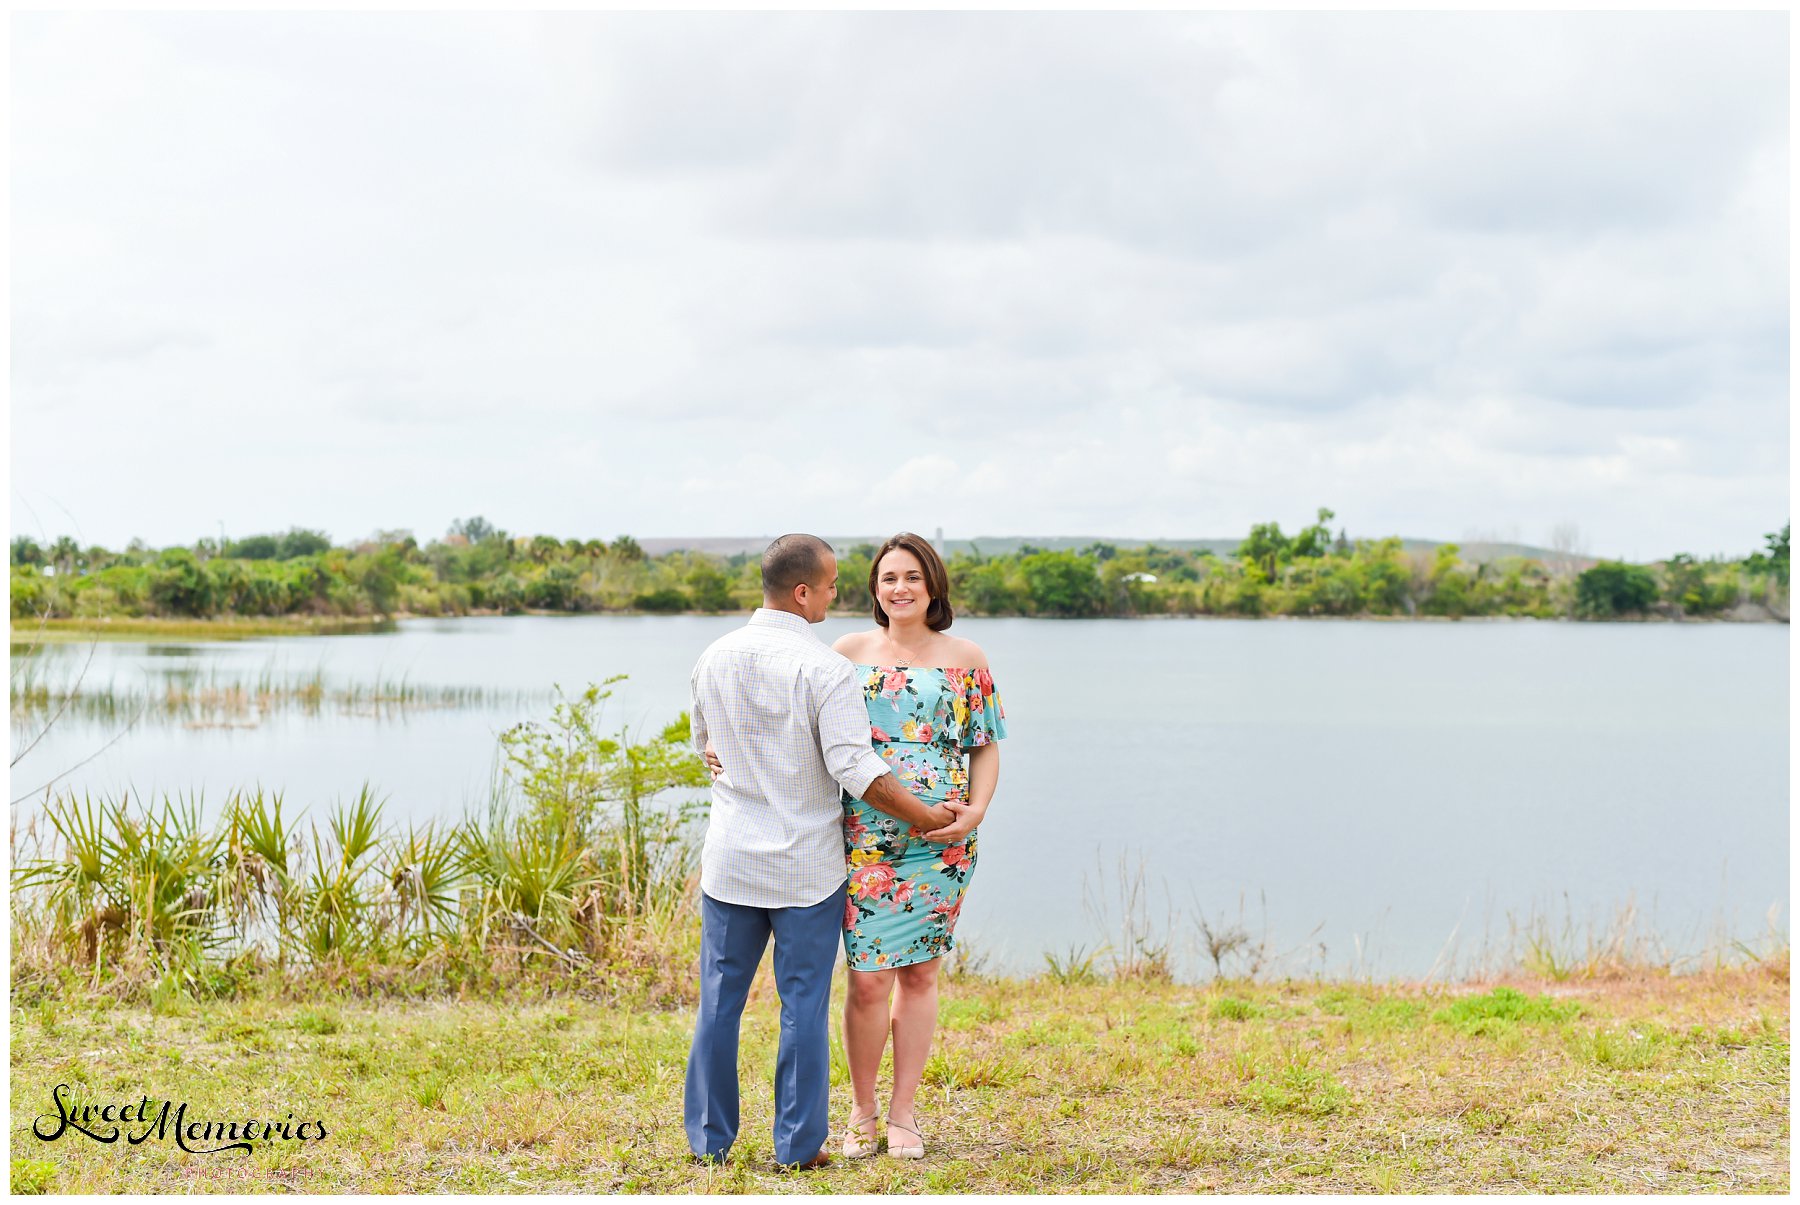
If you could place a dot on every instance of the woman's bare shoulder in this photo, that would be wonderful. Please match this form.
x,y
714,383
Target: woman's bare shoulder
x,y
855,645
966,654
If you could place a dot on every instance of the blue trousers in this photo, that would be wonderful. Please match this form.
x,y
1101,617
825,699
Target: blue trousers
x,y
732,938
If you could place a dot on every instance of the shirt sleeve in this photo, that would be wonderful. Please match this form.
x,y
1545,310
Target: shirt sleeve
x,y
844,732
696,716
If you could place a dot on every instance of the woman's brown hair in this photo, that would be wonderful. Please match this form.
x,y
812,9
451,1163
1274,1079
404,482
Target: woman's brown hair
x,y
938,615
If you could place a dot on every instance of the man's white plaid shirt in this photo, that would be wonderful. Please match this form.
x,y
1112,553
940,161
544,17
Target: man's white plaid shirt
x,y
786,717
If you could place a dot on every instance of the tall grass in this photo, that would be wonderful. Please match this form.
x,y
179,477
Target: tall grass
x,y
1144,937
137,892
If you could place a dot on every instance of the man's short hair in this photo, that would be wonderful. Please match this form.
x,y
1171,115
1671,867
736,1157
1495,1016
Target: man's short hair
x,y
791,560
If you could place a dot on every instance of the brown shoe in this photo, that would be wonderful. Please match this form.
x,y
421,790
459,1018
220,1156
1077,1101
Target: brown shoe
x,y
817,1161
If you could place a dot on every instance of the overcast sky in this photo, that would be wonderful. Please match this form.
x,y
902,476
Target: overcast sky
x,y
721,274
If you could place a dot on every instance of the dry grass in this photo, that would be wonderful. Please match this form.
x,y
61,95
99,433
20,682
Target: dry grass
x,y
1649,1083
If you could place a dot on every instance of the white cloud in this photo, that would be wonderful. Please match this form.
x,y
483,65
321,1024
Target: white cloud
x,y
1154,275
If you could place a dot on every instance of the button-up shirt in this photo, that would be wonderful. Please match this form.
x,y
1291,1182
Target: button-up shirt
x,y
786,718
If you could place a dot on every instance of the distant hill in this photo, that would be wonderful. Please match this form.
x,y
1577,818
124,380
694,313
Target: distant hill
x,y
1473,551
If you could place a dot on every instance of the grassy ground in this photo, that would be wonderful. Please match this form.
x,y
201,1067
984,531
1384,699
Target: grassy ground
x,y
1643,1084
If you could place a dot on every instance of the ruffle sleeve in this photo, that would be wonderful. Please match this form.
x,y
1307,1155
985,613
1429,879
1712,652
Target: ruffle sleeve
x,y
987,718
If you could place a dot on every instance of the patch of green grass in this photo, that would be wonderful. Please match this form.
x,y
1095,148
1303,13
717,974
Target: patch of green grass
x,y
1374,1013
951,1071
32,1176
1297,1086
1499,1010
1074,966
319,1021
428,1091
970,1014
1622,1050
1231,1008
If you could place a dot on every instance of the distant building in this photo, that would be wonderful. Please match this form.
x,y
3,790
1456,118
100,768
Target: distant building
x,y
1140,577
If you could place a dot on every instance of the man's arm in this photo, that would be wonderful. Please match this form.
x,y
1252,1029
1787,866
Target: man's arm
x,y
844,740
886,794
696,716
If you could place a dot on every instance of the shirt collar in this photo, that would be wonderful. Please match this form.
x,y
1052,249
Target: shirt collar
x,y
768,617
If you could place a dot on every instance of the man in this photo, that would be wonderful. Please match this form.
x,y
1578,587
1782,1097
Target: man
x,y
785,716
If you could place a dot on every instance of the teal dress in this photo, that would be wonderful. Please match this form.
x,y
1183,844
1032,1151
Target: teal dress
x,y
906,892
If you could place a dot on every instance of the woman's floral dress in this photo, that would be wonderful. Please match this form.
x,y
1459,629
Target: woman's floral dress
x,y
906,892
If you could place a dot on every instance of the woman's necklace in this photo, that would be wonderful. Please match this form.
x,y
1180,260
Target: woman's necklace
x,y
906,661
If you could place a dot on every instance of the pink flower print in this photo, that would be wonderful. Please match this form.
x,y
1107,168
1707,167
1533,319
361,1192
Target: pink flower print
x,y
877,734
925,733
895,683
956,856
872,880
903,893
849,914
854,828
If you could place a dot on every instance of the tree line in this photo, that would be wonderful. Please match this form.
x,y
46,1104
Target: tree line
x,y
477,568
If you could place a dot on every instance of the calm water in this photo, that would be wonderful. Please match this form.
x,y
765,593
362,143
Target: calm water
x,y
1375,798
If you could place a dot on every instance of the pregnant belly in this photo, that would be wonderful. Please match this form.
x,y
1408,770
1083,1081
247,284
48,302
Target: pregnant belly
x,y
926,771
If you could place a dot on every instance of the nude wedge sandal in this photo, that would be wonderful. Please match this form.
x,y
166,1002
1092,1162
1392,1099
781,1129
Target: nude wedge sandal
x,y
911,1151
857,1145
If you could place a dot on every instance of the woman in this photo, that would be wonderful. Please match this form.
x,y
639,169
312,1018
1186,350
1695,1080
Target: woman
x,y
934,716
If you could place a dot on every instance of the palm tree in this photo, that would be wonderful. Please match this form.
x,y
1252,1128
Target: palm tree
x,y
64,553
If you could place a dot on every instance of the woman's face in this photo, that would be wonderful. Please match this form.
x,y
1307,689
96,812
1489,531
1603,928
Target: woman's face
x,y
900,585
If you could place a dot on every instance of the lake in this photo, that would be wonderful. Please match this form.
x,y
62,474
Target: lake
x,y
1363,798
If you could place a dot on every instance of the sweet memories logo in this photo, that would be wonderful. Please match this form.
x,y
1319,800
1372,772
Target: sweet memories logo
x,y
109,1122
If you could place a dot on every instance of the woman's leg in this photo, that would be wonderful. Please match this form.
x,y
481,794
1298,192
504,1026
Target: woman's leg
x,y
914,1018
865,1033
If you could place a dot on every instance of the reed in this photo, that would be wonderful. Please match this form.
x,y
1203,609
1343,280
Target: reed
x,y
216,700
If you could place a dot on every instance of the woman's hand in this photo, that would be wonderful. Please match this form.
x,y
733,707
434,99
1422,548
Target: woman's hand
x,y
967,817
712,760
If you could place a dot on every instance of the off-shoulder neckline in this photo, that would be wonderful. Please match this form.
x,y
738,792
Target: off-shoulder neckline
x,y
939,668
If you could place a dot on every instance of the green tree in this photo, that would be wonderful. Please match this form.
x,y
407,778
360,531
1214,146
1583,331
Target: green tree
x,y
179,584
1614,588
25,551
64,554
711,590
300,541
254,548
1449,582
474,530
1315,541
984,587
1773,561
600,787
627,549
1266,548
1062,583
380,580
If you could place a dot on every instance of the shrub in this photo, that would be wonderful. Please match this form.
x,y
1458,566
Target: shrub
x,y
1614,588
663,601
